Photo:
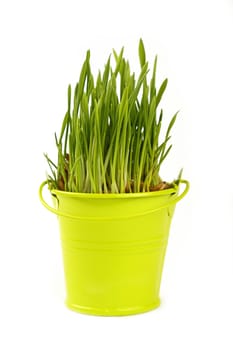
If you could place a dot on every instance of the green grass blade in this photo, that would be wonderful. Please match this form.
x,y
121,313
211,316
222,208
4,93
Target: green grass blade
x,y
161,91
142,53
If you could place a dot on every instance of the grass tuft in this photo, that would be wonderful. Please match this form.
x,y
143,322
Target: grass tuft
x,y
110,136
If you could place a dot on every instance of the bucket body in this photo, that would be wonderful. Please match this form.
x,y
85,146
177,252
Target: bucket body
x,y
113,248
113,253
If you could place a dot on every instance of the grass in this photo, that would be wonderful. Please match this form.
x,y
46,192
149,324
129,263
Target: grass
x,y
110,136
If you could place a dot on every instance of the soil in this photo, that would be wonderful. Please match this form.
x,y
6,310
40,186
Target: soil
x,y
161,186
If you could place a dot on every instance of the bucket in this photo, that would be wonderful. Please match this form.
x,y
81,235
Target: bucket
x,y
113,248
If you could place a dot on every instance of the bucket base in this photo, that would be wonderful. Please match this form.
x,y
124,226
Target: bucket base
x,y
112,312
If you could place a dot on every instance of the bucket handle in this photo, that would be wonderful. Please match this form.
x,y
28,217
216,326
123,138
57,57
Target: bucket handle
x,y
60,213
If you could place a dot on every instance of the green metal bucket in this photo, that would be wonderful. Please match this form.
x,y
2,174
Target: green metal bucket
x,y
113,248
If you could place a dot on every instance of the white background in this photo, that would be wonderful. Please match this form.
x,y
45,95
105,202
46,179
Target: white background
x,y
42,46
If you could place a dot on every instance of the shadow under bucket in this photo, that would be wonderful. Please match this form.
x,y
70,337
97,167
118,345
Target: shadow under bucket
x,y
113,248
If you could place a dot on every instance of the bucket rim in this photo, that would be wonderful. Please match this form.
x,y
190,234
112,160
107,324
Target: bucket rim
x,y
169,191
172,198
